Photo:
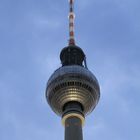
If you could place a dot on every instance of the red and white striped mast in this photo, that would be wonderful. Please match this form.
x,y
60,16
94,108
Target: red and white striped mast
x,y
71,23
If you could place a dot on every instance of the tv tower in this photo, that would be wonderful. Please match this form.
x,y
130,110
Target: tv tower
x,y
72,90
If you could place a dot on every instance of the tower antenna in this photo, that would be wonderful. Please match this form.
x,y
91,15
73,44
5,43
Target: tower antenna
x,y
71,23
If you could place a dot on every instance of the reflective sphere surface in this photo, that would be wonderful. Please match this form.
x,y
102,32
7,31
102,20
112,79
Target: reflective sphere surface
x,y
72,83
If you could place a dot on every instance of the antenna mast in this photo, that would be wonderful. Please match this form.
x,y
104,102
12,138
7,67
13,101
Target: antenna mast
x,y
71,23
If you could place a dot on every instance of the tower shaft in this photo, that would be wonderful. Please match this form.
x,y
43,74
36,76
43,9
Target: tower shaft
x,y
73,119
73,129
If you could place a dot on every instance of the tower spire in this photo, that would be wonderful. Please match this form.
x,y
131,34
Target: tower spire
x,y
71,23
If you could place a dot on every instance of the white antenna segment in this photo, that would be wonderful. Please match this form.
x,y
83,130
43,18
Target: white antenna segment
x,y
71,23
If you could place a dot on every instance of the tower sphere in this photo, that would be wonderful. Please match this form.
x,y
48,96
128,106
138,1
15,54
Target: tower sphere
x,y
72,83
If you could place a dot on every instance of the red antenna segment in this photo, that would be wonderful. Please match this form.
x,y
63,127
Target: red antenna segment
x,y
71,23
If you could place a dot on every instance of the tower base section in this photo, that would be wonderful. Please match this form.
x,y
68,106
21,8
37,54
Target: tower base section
x,y
73,119
73,128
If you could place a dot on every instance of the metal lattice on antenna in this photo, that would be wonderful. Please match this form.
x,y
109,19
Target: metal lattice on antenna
x,y
71,23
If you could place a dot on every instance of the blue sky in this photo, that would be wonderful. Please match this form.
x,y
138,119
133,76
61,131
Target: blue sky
x,y
32,34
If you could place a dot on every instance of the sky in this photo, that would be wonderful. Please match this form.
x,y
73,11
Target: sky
x,y
32,34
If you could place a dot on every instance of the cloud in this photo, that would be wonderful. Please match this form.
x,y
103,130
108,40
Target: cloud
x,y
46,23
